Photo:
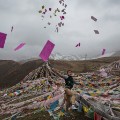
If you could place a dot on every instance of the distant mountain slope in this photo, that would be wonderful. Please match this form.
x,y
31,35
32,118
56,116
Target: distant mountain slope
x,y
116,53
12,72
27,60
58,56
7,66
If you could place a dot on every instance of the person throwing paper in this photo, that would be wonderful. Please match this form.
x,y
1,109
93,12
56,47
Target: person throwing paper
x,y
69,83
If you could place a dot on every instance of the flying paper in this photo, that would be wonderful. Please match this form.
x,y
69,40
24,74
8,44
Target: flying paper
x,y
50,9
63,10
19,46
40,11
49,23
78,45
57,28
65,5
42,16
62,17
60,2
103,51
45,10
93,18
11,28
54,13
2,39
46,51
60,24
43,7
96,31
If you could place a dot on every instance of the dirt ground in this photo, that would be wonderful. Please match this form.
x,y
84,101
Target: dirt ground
x,y
45,116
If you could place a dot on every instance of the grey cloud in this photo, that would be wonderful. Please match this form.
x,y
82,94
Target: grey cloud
x,y
112,18
112,43
29,28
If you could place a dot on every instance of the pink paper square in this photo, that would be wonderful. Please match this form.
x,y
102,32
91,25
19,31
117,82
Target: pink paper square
x,y
2,39
19,46
103,51
46,51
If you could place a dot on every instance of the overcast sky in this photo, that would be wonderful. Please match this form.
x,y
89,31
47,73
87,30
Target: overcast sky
x,y
29,27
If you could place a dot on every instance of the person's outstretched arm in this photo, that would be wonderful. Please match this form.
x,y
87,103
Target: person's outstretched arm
x,y
77,83
56,72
